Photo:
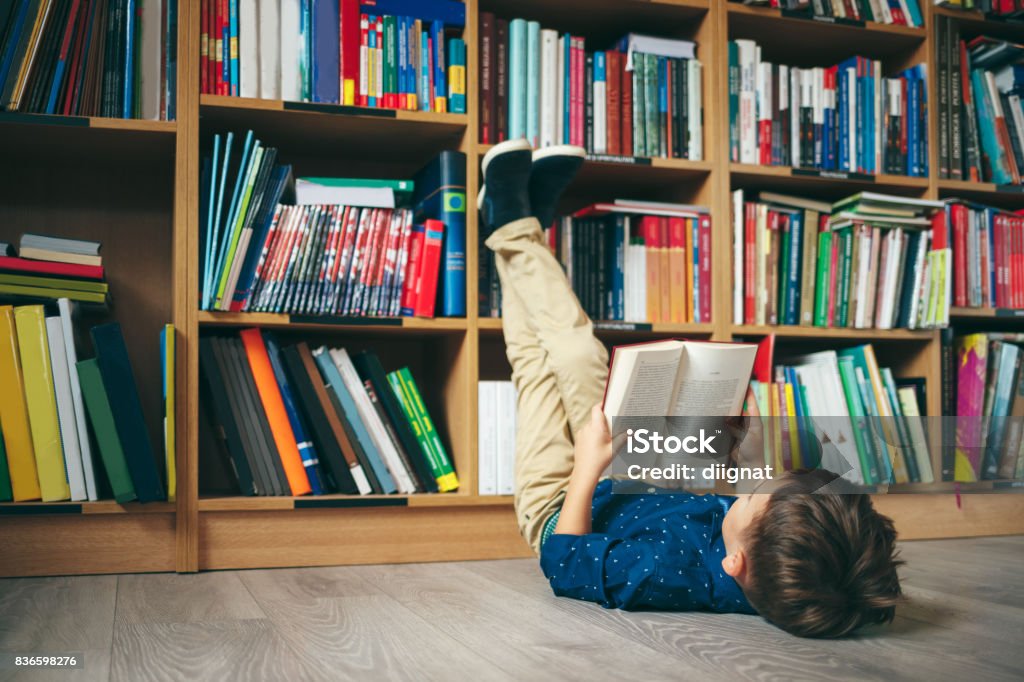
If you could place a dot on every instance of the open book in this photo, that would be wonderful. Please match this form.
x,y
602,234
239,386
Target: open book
x,y
678,378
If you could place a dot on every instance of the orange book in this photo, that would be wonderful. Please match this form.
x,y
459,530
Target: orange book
x,y
677,264
270,396
652,243
689,230
665,272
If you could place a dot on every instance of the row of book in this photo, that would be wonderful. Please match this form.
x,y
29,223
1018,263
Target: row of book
x,y
843,412
999,9
496,451
314,254
988,255
385,53
842,118
56,411
899,13
870,260
987,394
629,261
643,97
981,115
296,421
45,268
114,58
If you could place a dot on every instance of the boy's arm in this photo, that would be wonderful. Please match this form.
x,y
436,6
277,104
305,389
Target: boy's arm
x,y
593,454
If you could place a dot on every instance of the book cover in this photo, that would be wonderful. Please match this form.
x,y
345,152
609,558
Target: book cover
x,y
412,399
65,410
216,395
14,414
441,195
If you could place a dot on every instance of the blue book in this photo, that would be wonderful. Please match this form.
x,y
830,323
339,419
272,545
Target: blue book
x,y
1008,362
441,195
324,51
206,235
842,85
225,236
371,46
440,77
403,58
695,240
533,83
796,238
425,96
233,50
915,14
566,77
332,377
13,38
306,449
449,12
128,63
618,269
913,128
246,278
215,230
662,83
171,45
990,146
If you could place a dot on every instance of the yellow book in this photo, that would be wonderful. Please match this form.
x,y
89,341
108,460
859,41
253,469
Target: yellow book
x,y
794,433
169,351
776,407
21,459
34,350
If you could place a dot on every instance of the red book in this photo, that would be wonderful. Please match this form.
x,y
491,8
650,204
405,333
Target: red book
x,y
430,266
626,116
365,83
613,69
574,94
348,49
704,252
412,270
42,267
833,274
764,359
1017,282
501,80
749,261
958,213
488,129
223,17
204,46
579,125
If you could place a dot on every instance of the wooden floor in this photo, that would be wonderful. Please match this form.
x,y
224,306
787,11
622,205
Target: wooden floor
x,y
496,620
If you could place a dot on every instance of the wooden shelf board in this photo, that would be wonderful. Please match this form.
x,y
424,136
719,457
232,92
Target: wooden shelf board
x,y
77,137
98,507
797,332
835,184
309,129
291,503
957,312
368,324
977,21
613,327
1006,196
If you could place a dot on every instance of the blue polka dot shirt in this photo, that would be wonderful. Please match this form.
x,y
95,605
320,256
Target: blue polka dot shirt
x,y
656,550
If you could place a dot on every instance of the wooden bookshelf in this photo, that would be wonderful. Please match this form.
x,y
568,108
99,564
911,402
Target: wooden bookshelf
x,y
135,186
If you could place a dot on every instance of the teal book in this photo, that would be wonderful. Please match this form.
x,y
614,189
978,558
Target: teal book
x,y
565,44
990,146
651,104
875,431
532,83
865,446
6,493
734,102
517,79
1008,366
902,430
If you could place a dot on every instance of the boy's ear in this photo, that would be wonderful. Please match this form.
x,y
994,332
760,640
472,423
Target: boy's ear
x,y
735,565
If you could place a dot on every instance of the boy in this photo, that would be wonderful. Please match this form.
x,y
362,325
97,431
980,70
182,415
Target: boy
x,y
815,565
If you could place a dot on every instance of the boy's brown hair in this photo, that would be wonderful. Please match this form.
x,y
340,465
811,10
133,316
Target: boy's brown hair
x,y
822,564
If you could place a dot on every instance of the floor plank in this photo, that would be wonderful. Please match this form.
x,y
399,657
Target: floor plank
x,y
183,598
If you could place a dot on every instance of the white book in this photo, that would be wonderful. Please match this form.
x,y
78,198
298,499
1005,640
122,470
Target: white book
x,y
367,412
506,437
879,126
561,134
600,99
249,36
738,235
66,308
695,122
265,53
65,409
308,193
678,378
487,438
796,88
150,50
662,47
289,42
747,51
851,118
549,85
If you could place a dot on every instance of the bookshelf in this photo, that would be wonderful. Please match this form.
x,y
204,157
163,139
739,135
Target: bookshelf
x,y
134,185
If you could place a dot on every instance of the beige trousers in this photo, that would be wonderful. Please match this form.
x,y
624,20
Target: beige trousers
x,y
558,366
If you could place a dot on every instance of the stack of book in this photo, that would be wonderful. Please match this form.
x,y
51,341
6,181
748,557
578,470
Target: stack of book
x,y
496,454
383,53
870,260
988,255
52,400
641,97
318,254
296,421
902,13
48,268
840,411
989,400
997,9
629,261
981,116
115,58
844,118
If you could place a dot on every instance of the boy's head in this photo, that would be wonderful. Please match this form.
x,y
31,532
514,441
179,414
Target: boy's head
x,y
815,564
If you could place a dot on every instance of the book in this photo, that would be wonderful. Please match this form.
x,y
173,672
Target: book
x,y
488,437
306,448
101,417
66,418
14,415
353,192
168,377
218,396
67,314
408,394
441,195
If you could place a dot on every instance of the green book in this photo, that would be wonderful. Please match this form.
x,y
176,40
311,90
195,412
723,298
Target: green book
x,y
821,279
43,292
417,428
650,104
6,493
843,278
97,405
236,231
865,449
54,283
440,464
390,61
639,116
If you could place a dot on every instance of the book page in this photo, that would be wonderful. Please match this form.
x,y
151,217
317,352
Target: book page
x,y
712,379
641,380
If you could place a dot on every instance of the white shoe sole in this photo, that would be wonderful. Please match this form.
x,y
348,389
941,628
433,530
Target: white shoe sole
x,y
500,148
559,150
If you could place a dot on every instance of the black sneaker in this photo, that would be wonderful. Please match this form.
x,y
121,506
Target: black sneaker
x,y
503,197
553,170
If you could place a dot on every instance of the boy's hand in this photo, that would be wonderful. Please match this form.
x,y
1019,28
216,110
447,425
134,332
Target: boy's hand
x,y
594,450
